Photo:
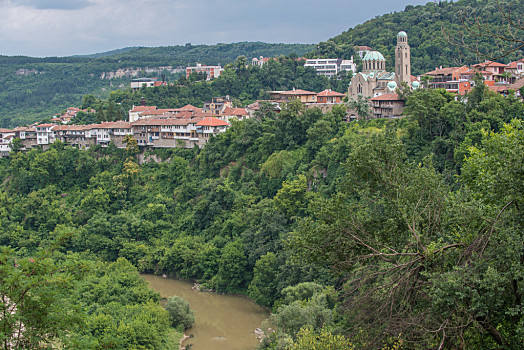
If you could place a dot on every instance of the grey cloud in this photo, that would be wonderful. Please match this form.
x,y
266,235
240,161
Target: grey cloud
x,y
55,4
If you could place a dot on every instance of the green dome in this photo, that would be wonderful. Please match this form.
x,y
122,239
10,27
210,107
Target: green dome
x,y
402,33
415,85
392,85
374,56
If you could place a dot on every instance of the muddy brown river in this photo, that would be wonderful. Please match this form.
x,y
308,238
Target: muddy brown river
x,y
222,322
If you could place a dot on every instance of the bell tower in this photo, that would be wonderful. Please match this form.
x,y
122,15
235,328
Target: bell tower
x,y
403,59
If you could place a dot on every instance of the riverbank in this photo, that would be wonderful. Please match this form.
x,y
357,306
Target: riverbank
x,y
222,322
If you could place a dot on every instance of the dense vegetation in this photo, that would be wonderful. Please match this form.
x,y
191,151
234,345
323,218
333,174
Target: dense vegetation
x,y
424,25
35,88
245,85
387,232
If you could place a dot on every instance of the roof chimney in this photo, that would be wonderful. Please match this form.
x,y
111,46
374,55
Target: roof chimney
x,y
143,102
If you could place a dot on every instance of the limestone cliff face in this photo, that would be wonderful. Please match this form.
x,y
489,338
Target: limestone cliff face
x,y
134,72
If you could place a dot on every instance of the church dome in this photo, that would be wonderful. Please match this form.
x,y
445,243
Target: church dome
x,y
374,56
415,85
392,85
402,33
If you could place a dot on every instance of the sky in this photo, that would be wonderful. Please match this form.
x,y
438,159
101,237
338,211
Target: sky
x,y
45,28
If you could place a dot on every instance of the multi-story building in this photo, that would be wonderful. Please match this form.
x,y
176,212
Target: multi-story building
x,y
453,79
44,135
387,106
212,72
295,94
217,105
330,67
6,136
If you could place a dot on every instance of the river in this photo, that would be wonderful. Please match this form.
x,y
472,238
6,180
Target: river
x,y
222,322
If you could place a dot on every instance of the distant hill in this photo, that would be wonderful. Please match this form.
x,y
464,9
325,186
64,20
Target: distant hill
x,y
33,88
424,24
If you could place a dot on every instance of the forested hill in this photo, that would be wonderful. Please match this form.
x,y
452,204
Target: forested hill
x,y
34,88
424,25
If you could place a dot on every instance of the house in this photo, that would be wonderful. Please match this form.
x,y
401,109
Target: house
x,y
137,111
330,67
6,136
217,105
261,60
208,127
27,136
453,79
212,72
330,96
362,50
497,69
516,69
234,113
387,105
295,94
45,135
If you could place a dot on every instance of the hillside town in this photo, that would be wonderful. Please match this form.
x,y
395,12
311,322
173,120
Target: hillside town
x,y
190,126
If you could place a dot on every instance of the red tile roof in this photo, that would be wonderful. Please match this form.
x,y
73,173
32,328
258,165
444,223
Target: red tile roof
x,y
210,121
143,108
329,92
234,111
447,71
5,130
490,64
189,108
387,97
297,92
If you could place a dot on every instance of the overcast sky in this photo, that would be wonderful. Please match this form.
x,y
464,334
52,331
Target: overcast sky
x,y
69,27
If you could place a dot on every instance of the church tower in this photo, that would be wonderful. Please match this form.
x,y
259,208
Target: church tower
x,y
403,59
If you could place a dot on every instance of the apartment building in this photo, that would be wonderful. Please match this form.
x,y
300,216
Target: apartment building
x,y
212,72
330,67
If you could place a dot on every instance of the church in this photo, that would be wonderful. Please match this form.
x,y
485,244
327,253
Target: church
x,y
374,81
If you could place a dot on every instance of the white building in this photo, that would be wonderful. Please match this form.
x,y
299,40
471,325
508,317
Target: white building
x,y
44,134
140,82
330,67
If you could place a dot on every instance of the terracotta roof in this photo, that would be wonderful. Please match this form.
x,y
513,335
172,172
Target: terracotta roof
x,y
189,108
167,121
234,111
414,78
113,125
143,108
329,92
499,88
517,85
363,48
297,92
45,125
61,127
5,130
446,71
20,128
490,64
210,121
8,137
387,97
472,72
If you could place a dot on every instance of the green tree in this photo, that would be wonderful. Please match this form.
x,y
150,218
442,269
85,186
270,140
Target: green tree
x,y
361,107
180,313
263,286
